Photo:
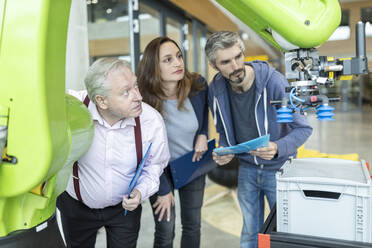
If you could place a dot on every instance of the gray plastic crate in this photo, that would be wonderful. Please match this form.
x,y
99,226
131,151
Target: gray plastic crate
x,y
325,197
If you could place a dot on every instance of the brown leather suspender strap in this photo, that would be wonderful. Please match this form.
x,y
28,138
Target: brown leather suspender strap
x,y
86,101
138,140
75,177
75,168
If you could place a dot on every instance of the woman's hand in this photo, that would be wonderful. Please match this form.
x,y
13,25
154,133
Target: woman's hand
x,y
201,146
163,205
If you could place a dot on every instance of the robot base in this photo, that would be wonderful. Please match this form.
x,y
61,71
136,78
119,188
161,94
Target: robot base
x,y
34,237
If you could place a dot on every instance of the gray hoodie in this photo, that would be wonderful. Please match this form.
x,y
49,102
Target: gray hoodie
x,y
270,85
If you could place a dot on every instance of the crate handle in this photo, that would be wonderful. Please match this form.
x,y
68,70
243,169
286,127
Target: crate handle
x,y
322,194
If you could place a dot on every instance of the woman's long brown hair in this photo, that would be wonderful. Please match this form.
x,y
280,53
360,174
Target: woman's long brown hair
x,y
149,79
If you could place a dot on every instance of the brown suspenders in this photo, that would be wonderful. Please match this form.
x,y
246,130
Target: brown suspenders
x,y
138,140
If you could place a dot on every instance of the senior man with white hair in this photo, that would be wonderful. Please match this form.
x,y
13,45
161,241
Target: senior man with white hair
x,y
97,192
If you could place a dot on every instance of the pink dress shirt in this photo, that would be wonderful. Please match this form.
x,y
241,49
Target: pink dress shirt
x,y
106,170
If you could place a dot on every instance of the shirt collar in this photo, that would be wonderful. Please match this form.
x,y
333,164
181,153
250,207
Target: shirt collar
x,y
97,117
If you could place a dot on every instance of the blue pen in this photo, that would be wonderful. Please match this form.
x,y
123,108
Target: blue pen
x,y
133,182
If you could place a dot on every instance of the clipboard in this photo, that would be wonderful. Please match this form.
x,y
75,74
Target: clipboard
x,y
250,145
183,170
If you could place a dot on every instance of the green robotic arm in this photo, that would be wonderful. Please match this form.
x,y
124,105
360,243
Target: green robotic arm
x,y
288,24
297,28
42,130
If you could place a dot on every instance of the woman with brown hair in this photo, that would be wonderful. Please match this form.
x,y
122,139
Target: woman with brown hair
x,y
181,98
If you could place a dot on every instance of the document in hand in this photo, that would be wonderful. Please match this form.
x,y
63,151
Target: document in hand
x,y
244,147
183,170
134,180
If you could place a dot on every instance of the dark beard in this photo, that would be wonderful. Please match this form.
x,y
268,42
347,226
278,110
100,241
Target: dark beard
x,y
239,79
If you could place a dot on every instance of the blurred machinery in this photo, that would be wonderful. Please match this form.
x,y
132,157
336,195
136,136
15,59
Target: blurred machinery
x,y
297,28
42,130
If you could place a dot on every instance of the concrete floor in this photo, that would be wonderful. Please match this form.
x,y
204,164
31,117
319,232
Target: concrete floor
x,y
211,236
351,132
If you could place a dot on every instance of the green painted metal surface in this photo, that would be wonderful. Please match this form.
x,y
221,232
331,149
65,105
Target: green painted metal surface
x,y
305,23
47,130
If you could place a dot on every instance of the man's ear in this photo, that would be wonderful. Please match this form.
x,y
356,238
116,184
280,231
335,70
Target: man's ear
x,y
101,102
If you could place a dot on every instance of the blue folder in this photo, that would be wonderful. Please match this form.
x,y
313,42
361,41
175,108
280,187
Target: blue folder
x,y
134,180
244,147
183,170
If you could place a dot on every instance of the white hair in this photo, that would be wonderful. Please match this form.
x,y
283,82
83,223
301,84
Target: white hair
x,y
95,80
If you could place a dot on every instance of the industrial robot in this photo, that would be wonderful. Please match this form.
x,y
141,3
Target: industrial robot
x,y
42,130
297,28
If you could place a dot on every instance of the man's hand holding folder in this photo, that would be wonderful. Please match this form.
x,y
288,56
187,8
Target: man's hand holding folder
x,y
131,201
261,147
222,160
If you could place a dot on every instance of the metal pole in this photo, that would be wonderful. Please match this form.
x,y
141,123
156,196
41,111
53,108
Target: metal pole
x,y
134,29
